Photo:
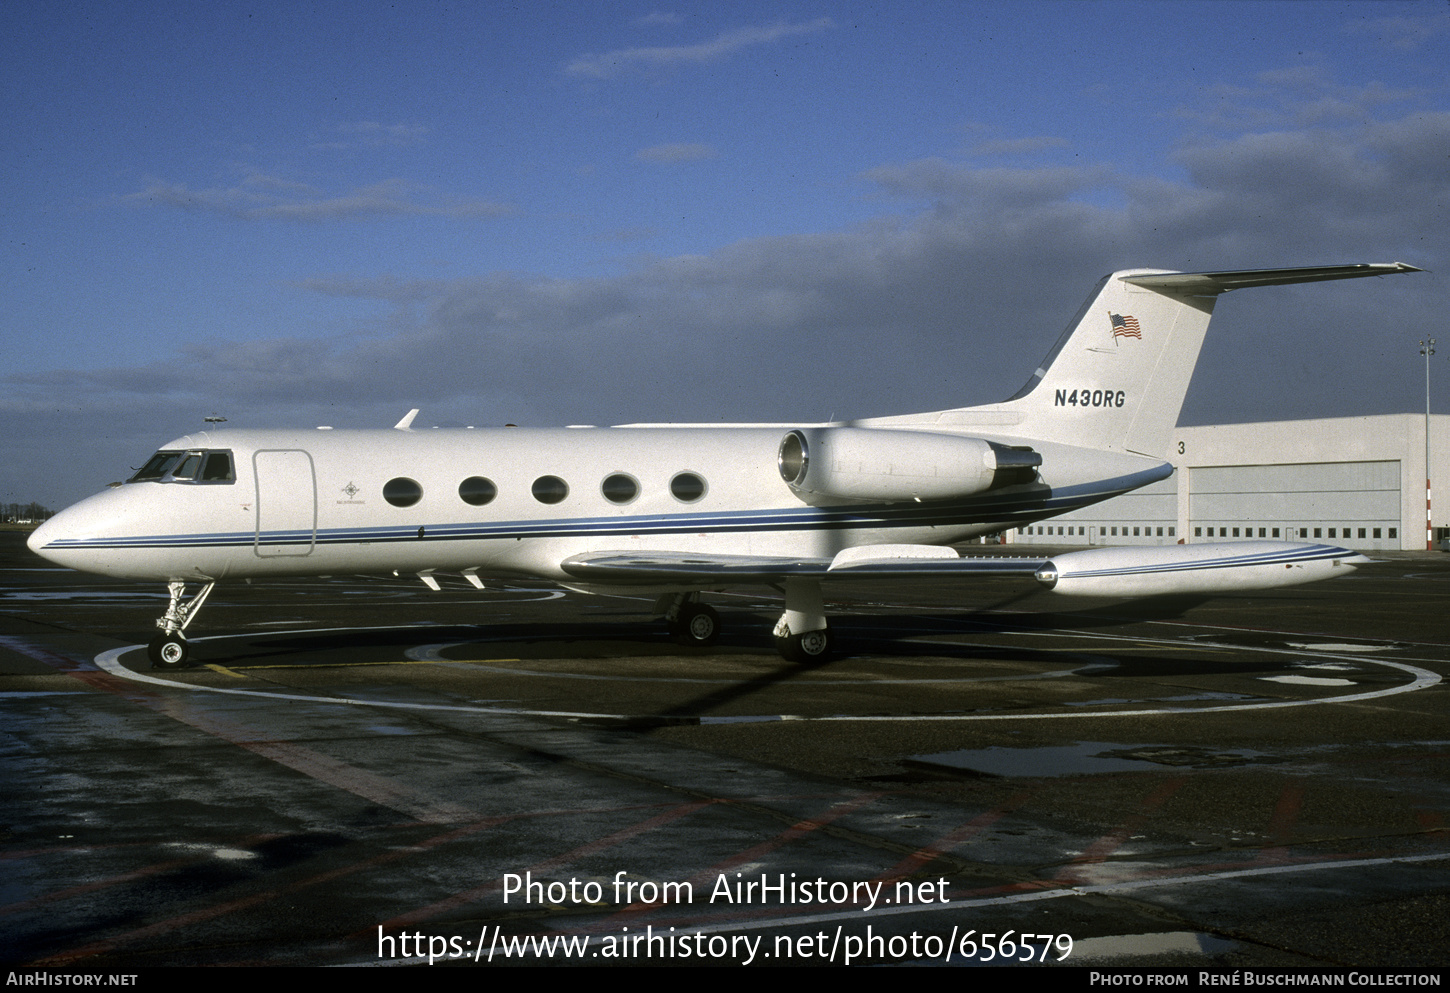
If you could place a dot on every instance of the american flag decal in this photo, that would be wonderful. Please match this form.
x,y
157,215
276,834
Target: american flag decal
x,y
1125,326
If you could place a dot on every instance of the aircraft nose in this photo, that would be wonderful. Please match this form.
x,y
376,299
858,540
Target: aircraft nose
x,y
56,538
43,535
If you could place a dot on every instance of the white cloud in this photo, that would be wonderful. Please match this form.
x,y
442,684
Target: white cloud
x,y
959,298
658,18
1406,33
669,154
611,64
262,197
1296,97
371,134
951,302
1016,146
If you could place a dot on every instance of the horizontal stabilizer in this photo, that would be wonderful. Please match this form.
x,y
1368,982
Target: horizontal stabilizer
x,y
1207,283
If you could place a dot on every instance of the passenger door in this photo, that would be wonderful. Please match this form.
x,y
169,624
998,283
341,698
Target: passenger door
x,y
286,503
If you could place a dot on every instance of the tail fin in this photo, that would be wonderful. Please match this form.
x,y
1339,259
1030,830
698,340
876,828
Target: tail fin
x,y
1117,377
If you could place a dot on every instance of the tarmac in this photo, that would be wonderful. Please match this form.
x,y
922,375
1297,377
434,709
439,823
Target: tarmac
x,y
363,771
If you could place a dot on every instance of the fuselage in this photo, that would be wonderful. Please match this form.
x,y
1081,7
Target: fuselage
x,y
513,502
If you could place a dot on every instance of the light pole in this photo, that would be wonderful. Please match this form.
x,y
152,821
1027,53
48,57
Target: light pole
x,y
1427,349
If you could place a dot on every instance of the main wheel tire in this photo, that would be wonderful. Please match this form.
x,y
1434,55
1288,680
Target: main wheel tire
x,y
697,624
812,646
168,651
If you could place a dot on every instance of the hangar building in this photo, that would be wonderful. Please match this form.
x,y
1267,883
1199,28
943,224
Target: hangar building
x,y
1354,481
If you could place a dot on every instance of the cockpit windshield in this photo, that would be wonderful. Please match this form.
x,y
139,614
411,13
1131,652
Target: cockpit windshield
x,y
195,466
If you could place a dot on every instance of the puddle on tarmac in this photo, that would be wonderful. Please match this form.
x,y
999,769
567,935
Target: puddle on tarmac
x,y
1082,758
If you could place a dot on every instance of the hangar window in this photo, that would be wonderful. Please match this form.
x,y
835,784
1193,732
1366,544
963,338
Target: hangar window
x,y
687,487
1331,533
1276,532
619,487
1361,532
402,491
1316,532
1198,532
1236,532
550,489
1171,532
477,491
1376,532
1223,532
1394,532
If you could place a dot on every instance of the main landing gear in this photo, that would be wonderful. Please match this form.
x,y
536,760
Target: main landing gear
x,y
801,634
169,650
691,622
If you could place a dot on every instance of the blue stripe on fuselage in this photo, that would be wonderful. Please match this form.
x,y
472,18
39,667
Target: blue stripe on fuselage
x,y
1009,507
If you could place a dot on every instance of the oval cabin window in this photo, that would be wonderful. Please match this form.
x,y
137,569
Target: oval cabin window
x,y
687,487
477,491
550,489
619,487
402,492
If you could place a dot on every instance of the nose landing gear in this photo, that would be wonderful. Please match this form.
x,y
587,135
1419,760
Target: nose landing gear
x,y
169,650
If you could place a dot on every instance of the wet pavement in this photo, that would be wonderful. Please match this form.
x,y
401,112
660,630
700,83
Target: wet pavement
x,y
363,770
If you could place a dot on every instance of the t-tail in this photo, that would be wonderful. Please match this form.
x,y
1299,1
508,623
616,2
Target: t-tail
x,y
1117,377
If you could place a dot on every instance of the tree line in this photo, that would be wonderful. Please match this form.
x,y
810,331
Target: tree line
x,y
13,513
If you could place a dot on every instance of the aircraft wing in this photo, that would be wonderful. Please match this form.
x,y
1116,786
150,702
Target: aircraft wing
x,y
868,562
1216,567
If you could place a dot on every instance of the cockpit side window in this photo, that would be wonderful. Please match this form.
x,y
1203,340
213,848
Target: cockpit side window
x,y
188,467
197,466
217,468
157,466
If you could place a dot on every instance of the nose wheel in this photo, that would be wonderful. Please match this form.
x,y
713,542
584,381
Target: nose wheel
x,y
168,651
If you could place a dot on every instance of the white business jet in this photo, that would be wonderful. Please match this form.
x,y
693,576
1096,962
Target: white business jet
x,y
677,510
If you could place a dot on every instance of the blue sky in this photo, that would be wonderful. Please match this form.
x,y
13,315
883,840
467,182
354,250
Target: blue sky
x,y
543,213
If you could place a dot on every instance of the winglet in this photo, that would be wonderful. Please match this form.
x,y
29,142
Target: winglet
x,y
406,424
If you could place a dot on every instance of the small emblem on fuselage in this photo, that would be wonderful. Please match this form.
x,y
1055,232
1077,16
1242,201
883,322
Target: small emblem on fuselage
x,y
350,490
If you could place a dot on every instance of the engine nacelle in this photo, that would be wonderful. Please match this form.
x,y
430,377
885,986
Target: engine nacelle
x,y
1212,568
864,464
